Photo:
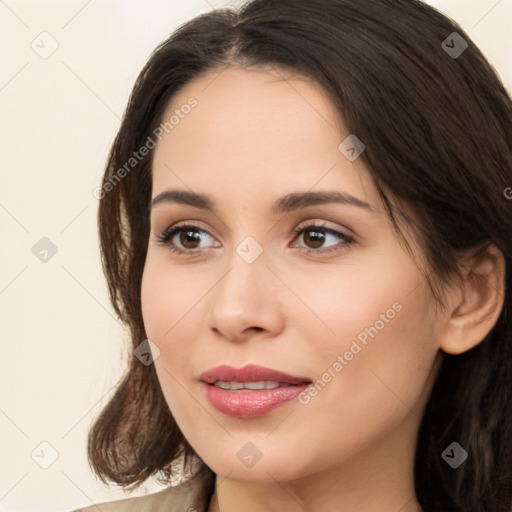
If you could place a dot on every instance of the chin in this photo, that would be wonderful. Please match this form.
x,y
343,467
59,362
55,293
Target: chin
x,y
267,470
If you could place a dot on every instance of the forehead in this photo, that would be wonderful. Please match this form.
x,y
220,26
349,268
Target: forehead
x,y
253,130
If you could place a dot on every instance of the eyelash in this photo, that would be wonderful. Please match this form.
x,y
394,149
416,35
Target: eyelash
x,y
168,234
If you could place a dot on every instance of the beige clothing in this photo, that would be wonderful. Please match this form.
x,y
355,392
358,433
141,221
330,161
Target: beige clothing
x,y
193,495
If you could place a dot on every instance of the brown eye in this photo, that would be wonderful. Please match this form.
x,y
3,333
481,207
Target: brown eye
x,y
316,235
189,238
188,241
314,238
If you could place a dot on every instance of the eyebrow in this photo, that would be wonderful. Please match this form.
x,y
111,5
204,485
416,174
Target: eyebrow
x,y
288,203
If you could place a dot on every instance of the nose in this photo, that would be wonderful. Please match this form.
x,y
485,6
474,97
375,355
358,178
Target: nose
x,y
246,300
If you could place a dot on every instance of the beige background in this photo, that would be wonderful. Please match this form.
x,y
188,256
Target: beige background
x,y
62,347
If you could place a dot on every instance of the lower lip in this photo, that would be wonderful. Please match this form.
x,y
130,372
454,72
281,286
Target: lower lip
x,y
251,404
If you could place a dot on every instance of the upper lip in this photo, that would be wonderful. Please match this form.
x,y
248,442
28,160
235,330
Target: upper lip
x,y
249,373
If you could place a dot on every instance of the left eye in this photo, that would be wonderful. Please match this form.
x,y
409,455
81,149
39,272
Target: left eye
x,y
320,233
190,234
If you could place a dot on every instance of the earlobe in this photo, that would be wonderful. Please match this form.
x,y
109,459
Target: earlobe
x,y
479,302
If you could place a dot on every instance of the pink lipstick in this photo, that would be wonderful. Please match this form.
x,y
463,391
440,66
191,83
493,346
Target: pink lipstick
x,y
251,391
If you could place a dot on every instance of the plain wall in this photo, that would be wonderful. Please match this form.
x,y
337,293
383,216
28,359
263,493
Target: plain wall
x,y
63,349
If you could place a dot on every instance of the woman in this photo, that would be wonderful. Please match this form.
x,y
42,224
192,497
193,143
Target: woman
x,y
305,226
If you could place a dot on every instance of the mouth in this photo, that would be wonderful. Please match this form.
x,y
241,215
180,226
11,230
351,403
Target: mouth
x,y
251,391
250,376
250,386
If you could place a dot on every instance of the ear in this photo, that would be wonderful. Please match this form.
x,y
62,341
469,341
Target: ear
x,y
477,303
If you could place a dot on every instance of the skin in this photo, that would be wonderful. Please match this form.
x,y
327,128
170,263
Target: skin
x,y
257,135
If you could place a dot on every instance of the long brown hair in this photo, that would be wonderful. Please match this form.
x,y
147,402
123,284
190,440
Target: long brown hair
x,y
437,127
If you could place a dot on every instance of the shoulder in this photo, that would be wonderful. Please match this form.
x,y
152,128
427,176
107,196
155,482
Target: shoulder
x,y
192,495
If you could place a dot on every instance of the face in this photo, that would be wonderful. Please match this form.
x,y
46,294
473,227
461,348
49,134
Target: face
x,y
323,291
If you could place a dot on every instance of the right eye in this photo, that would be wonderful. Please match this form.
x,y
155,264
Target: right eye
x,y
189,235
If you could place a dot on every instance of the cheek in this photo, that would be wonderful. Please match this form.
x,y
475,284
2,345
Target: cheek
x,y
168,297
382,352
172,308
372,332
374,370
167,302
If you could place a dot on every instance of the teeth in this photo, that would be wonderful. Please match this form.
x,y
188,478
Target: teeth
x,y
263,384
267,384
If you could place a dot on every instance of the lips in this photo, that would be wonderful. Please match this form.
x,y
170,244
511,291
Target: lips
x,y
249,373
233,392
